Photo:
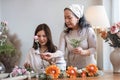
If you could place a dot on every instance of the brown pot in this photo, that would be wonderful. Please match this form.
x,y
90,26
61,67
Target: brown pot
x,y
9,61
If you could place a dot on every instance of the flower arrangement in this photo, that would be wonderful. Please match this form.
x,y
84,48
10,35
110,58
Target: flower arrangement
x,y
10,45
90,71
17,71
75,43
112,36
53,72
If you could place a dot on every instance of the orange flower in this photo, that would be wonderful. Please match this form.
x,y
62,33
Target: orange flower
x,y
53,71
83,74
92,69
103,34
71,72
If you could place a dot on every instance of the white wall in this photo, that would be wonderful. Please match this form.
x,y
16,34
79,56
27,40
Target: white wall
x,y
24,15
0,10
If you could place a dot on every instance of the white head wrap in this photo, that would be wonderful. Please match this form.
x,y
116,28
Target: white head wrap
x,y
78,10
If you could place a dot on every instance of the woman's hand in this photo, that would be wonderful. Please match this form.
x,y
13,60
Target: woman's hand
x,y
46,56
80,51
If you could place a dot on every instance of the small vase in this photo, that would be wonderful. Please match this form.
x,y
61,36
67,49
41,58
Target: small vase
x,y
2,68
115,60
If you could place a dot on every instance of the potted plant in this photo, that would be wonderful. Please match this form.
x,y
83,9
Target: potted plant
x,y
9,47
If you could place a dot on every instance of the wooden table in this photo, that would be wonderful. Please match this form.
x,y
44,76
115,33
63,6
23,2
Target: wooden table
x,y
107,75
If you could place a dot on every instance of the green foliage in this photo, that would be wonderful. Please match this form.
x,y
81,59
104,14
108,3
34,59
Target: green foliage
x,y
29,69
44,76
114,39
63,75
7,49
75,43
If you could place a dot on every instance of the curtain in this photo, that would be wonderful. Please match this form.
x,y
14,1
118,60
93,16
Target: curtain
x,y
115,11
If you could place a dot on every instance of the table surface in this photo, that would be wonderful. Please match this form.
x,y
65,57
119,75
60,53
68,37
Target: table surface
x,y
107,75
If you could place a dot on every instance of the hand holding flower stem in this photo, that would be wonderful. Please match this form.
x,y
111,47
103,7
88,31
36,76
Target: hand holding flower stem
x,y
37,42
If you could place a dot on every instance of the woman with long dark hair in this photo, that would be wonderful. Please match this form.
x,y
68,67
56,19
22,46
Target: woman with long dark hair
x,y
44,52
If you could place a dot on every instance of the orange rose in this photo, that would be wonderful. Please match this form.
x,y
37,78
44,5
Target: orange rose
x,y
104,34
71,72
53,71
91,69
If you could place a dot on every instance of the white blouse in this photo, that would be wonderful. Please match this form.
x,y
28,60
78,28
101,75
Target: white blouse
x,y
33,58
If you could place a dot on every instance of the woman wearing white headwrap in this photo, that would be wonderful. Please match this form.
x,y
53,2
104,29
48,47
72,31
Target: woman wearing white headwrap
x,y
78,40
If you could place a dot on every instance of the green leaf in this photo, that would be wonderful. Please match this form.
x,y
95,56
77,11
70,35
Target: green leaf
x,y
75,43
44,76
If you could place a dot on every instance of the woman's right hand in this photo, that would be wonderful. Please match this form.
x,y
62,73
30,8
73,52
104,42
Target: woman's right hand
x,y
78,50
46,56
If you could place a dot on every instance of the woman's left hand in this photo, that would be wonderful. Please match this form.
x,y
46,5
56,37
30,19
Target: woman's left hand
x,y
80,51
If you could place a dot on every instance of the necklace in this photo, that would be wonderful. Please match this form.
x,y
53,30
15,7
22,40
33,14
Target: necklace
x,y
43,50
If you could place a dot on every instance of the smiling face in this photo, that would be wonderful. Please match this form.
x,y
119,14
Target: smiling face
x,y
70,19
42,38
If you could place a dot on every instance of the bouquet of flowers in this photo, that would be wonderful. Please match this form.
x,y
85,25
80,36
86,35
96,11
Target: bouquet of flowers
x,y
17,71
90,71
53,72
112,36
75,43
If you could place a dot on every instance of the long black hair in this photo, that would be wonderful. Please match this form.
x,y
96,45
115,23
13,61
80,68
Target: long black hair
x,y
51,47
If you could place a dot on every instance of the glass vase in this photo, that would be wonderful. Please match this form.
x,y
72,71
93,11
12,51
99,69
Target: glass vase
x,y
2,68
